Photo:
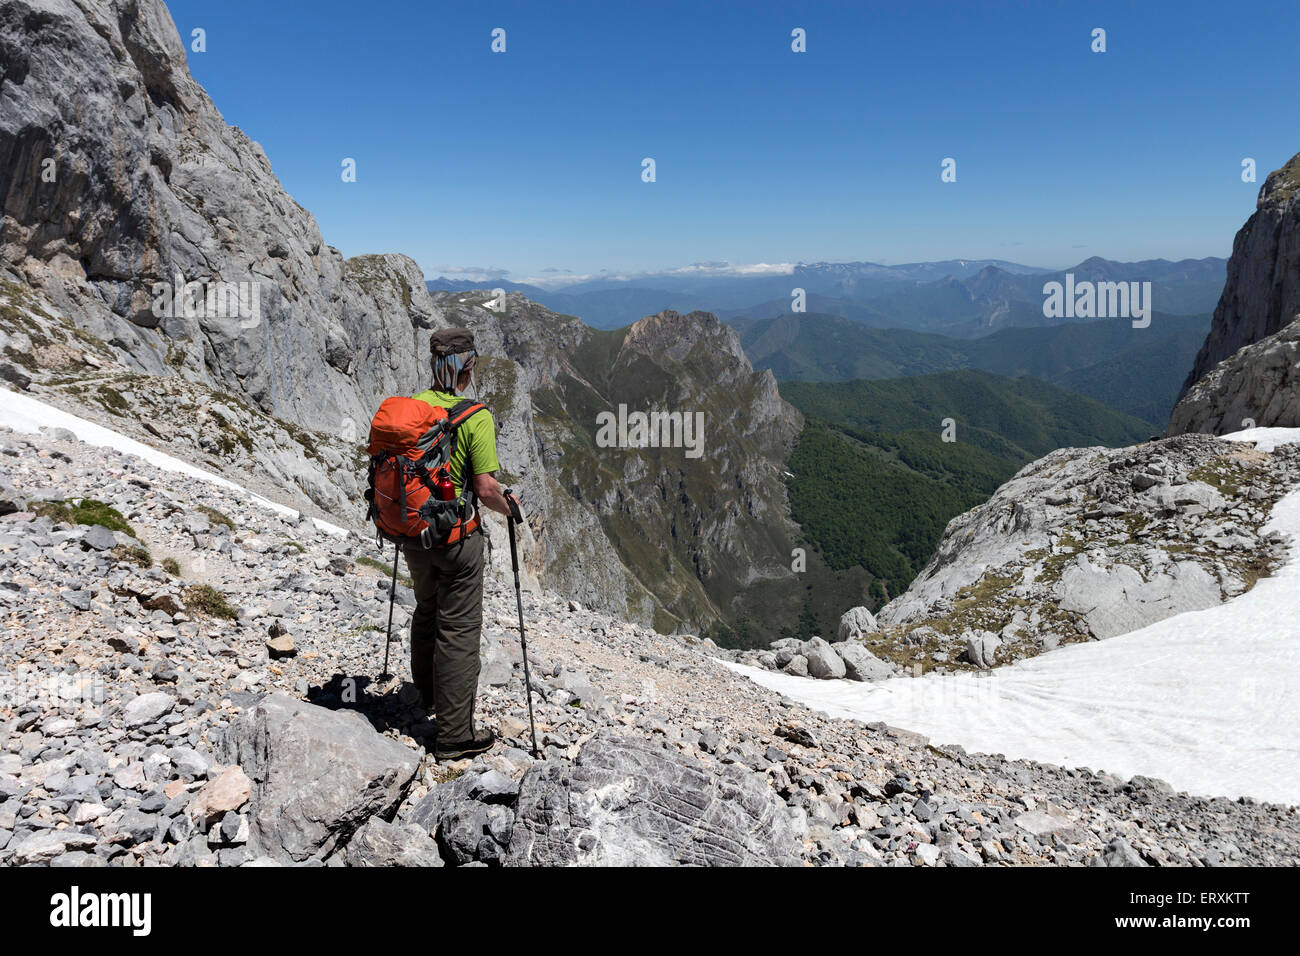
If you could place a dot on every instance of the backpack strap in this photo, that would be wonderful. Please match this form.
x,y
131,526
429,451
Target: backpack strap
x,y
457,415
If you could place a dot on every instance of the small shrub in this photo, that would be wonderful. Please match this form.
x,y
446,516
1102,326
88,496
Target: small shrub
x,y
135,555
112,400
216,517
171,566
208,601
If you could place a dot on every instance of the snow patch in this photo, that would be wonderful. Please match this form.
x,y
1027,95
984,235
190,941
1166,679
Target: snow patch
x,y
1266,439
23,413
1207,700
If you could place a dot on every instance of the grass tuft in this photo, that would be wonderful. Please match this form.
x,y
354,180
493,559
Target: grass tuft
x,y
85,511
208,601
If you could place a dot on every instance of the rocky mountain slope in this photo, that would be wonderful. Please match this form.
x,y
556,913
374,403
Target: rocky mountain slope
x,y
1259,386
1084,544
118,173
196,686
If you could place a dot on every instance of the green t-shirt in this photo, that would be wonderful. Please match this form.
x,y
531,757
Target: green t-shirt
x,y
476,436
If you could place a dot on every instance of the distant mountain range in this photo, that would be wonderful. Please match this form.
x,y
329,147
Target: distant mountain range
x,y
964,298
1135,371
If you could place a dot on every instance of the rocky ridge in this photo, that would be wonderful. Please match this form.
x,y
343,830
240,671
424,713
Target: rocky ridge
x,y
196,687
1084,544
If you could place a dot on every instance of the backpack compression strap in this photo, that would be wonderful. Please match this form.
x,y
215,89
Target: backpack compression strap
x,y
457,415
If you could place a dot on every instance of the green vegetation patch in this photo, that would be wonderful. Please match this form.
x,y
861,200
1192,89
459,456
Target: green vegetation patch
x,y
208,601
1223,474
216,517
874,484
385,569
85,511
112,400
135,555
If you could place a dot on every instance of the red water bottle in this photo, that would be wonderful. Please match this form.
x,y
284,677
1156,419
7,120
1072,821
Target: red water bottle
x,y
446,490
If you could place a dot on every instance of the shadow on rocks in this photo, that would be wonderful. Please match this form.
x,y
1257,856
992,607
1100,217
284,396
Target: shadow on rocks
x,y
398,709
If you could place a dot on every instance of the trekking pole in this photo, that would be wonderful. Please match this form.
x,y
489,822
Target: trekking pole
x,y
392,592
513,517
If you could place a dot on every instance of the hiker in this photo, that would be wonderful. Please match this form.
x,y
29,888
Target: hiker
x,y
434,519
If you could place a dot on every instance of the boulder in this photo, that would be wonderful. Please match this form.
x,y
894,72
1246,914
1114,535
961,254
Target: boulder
x,y
860,664
981,647
317,775
625,801
147,708
823,662
855,622
1119,599
380,843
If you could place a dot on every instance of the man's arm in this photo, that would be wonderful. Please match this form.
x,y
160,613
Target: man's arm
x,y
488,490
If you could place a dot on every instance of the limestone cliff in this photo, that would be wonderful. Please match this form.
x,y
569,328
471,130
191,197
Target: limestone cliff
x,y
1262,292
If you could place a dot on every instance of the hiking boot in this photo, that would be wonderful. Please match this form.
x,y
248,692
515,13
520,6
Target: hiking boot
x,y
482,742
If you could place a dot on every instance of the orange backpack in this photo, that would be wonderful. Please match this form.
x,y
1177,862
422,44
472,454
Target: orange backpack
x,y
412,499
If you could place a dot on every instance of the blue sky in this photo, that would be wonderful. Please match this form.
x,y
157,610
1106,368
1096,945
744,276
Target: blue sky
x,y
530,160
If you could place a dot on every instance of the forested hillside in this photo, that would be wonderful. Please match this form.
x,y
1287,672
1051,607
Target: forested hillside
x,y
874,483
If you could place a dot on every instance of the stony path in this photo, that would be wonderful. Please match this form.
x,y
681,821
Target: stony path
x,y
120,681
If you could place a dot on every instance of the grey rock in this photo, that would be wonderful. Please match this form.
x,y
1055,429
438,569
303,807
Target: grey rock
x,y
624,801
855,622
45,845
860,664
14,376
493,787
317,775
1262,292
495,668
981,648
136,826
823,662
147,708
99,538
461,832
1119,599
1260,383
1119,852
380,844
78,599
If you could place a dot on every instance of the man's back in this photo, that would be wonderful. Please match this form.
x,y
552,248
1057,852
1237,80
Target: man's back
x,y
476,437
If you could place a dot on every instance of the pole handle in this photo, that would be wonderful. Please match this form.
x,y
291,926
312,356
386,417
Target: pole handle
x,y
515,513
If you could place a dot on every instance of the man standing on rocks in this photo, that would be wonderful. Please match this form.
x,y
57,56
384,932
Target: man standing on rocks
x,y
448,582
